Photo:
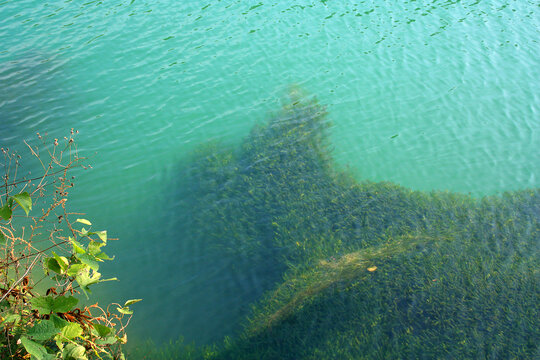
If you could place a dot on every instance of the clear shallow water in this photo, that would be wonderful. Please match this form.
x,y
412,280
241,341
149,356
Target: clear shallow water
x,y
146,83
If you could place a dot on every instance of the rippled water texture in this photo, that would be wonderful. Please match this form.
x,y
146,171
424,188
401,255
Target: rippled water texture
x,y
429,95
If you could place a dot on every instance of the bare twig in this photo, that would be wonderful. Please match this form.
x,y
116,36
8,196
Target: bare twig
x,y
20,279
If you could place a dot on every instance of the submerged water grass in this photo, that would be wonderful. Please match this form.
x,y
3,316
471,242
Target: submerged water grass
x,y
342,269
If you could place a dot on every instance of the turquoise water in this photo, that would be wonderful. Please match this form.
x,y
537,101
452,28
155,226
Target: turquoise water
x,y
430,95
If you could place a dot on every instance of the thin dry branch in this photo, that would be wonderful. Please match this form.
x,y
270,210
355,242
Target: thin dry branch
x,y
20,279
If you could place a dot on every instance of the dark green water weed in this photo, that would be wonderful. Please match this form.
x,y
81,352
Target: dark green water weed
x,y
342,269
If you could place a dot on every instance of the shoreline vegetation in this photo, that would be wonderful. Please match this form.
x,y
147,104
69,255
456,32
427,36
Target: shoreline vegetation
x,y
326,267
48,260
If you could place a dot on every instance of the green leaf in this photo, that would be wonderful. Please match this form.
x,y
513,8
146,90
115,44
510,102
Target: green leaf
x,y
48,304
102,330
52,264
102,235
35,349
43,304
84,232
59,323
90,261
64,304
85,278
71,331
43,330
5,212
75,269
77,247
62,261
109,340
124,310
94,248
24,200
84,221
3,239
103,256
132,301
74,352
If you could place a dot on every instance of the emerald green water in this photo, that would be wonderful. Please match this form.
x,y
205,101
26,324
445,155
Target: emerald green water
x,y
430,95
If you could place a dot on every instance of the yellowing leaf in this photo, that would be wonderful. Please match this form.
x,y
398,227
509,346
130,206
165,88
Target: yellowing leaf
x,y
124,310
84,221
372,268
102,235
132,301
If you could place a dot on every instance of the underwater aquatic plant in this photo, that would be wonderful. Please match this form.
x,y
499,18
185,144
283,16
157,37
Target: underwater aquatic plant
x,y
470,292
342,269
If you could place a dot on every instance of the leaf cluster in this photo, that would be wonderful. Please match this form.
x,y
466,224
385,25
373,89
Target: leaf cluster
x,y
48,321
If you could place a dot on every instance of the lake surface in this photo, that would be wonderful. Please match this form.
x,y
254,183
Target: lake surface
x,y
430,95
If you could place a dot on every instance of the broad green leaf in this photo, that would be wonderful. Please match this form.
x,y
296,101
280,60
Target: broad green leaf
x,y
3,239
71,331
132,301
52,264
85,278
94,247
77,247
43,304
5,212
62,262
48,304
43,330
90,261
59,323
84,221
109,340
102,330
24,200
124,310
64,304
74,352
35,349
75,269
